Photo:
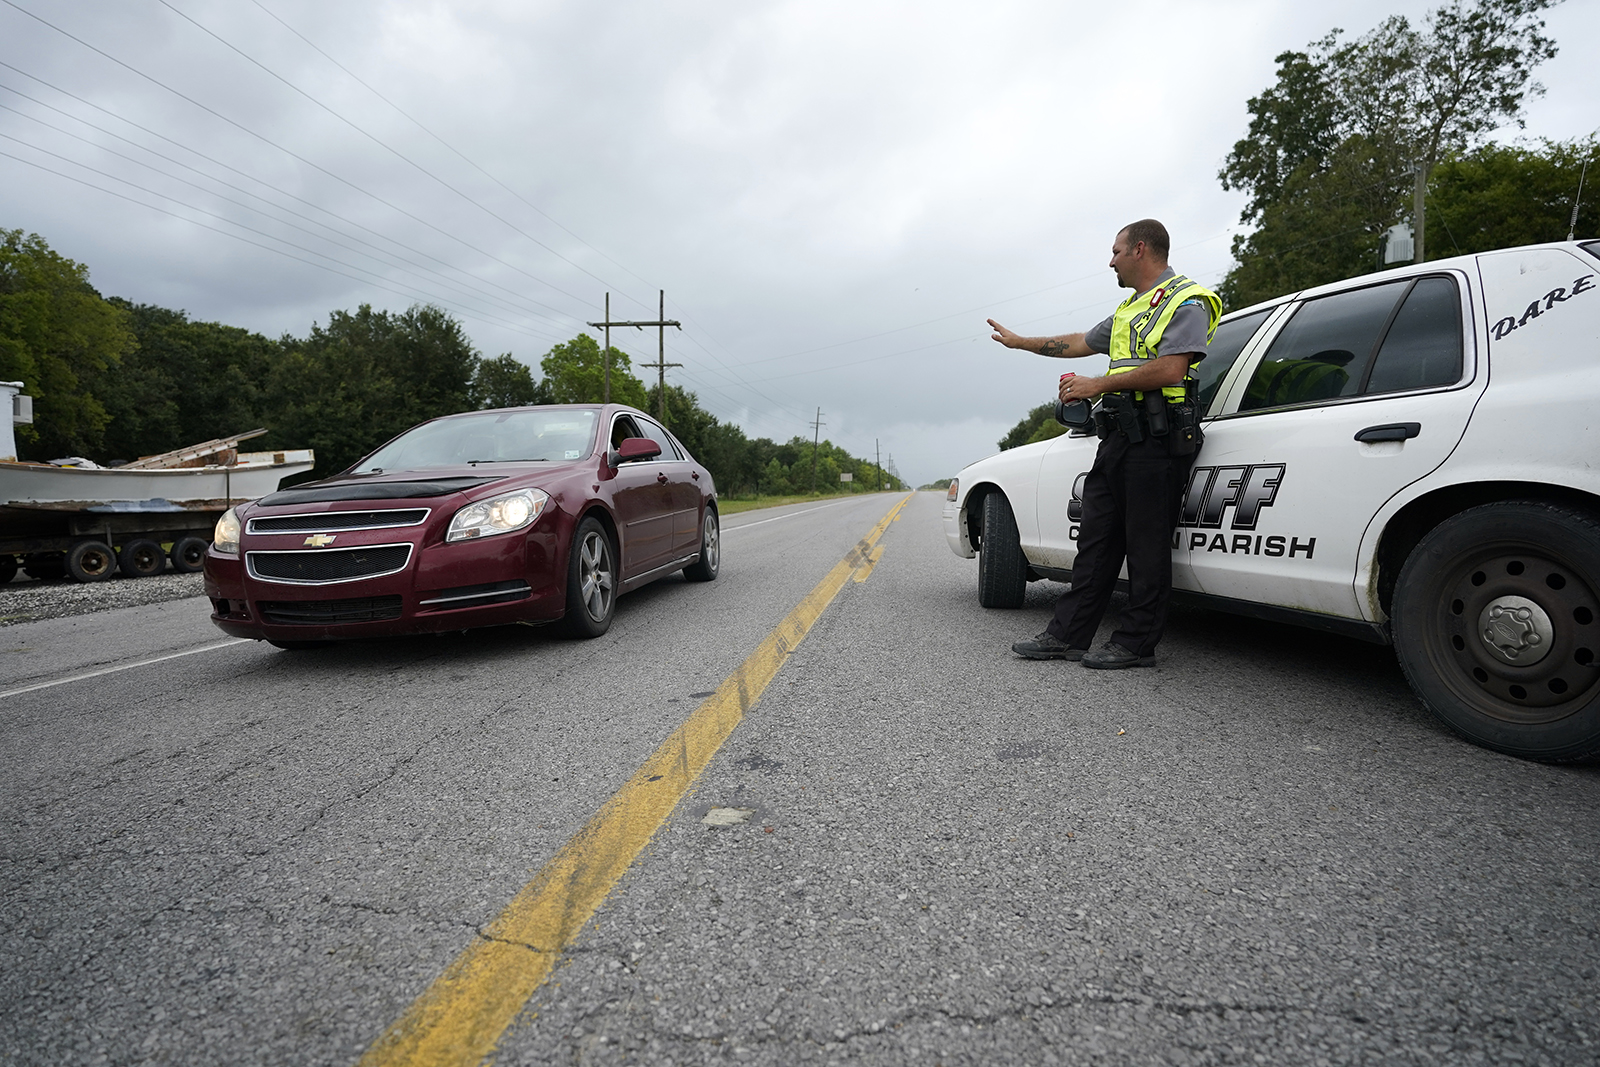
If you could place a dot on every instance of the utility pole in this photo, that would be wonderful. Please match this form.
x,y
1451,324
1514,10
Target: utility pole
x,y
661,323
816,436
878,462
661,363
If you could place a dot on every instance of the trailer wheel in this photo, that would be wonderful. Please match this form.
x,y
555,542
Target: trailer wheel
x,y
141,558
91,561
188,555
8,568
44,565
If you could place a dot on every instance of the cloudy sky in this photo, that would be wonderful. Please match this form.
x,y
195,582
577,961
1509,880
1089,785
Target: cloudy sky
x,y
833,195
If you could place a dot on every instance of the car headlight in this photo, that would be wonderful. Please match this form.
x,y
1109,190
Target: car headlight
x,y
497,515
225,538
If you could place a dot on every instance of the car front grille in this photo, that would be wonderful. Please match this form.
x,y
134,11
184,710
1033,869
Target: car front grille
x,y
328,565
325,612
327,521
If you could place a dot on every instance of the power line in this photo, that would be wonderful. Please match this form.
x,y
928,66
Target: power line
x,y
384,145
286,151
505,305
249,177
467,159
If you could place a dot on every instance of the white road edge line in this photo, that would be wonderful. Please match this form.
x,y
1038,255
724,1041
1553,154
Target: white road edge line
x,y
747,525
125,666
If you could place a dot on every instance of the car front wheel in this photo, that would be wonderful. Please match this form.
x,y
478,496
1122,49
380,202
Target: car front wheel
x,y
1497,626
591,581
704,569
1002,569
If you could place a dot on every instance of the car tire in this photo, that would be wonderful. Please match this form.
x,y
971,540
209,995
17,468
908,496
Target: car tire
x,y
591,581
8,567
91,561
1002,569
188,555
141,558
1496,623
704,569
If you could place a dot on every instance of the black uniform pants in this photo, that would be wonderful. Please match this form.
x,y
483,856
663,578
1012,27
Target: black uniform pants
x,y
1131,500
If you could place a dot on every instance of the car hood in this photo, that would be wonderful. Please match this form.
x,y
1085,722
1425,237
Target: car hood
x,y
409,485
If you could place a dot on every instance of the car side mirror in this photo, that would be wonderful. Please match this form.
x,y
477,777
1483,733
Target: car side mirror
x,y
634,448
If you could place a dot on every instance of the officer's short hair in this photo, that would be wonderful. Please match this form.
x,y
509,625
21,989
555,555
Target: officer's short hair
x,y
1152,233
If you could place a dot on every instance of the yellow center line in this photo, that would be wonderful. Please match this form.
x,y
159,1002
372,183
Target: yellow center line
x,y
458,1019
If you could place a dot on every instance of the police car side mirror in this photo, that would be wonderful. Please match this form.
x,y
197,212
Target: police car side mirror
x,y
1074,414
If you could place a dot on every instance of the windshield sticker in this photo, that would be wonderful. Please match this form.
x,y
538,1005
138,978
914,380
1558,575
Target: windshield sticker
x,y
1558,295
574,453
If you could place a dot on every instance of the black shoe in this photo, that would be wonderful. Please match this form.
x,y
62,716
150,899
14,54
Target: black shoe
x,y
1046,646
1113,657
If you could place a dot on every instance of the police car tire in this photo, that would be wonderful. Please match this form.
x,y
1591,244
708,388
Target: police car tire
x,y
1468,566
1002,568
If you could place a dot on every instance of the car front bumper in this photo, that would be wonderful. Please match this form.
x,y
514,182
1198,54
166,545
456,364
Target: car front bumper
x,y
442,587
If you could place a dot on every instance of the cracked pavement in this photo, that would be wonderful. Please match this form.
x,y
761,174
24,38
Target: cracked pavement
x,y
954,856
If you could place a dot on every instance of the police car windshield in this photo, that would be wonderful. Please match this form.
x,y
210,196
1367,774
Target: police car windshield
x,y
526,436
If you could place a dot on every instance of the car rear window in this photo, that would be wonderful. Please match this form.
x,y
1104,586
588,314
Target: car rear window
x,y
1380,339
1324,350
1423,346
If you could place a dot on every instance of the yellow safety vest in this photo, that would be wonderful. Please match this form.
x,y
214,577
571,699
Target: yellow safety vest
x,y
1140,320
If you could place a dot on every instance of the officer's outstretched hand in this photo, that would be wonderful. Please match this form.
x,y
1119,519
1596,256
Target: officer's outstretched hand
x,y
1005,336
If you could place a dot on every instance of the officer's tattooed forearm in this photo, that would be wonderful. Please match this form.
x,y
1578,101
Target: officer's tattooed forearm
x,y
1054,346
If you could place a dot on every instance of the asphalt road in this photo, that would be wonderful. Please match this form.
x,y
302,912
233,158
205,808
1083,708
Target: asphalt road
x,y
1261,851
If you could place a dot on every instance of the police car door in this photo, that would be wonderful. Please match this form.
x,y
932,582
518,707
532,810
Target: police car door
x,y
1358,394
1067,463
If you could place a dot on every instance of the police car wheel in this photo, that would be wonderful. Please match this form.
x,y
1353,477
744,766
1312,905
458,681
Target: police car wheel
x,y
1496,623
1002,568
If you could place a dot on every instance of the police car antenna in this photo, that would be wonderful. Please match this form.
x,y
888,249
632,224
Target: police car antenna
x,y
1572,226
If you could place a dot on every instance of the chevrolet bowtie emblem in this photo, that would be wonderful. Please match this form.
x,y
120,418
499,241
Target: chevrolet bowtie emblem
x,y
320,540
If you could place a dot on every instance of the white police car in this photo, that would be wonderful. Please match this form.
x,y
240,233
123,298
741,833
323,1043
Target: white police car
x,y
1410,457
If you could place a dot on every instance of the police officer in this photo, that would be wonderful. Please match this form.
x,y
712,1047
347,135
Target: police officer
x,y
1148,425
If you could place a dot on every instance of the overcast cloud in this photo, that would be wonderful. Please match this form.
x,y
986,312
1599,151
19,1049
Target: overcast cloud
x,y
833,195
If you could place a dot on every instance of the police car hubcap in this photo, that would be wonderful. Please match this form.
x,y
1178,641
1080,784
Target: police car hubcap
x,y
1516,630
1523,630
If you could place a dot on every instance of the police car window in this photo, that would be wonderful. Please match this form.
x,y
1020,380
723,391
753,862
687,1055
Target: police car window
x,y
1324,350
660,437
1592,247
1423,347
1225,346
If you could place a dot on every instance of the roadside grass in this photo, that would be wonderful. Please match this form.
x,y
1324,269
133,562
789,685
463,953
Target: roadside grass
x,y
731,506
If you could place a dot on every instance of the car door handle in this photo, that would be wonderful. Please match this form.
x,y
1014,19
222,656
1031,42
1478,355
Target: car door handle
x,y
1394,431
662,478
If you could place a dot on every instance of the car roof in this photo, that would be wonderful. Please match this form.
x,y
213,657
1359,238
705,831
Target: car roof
x,y
1465,262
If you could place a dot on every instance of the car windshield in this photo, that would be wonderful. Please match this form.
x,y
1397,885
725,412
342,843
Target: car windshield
x,y
531,435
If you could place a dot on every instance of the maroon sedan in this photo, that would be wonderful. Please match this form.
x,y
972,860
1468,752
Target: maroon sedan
x,y
516,515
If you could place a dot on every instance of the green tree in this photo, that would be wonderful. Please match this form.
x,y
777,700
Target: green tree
x,y
62,341
506,382
1441,90
186,382
1294,123
1037,425
1349,128
365,377
1501,196
575,374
